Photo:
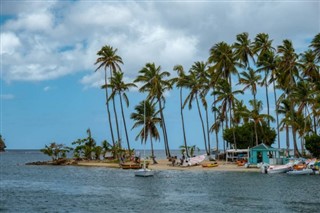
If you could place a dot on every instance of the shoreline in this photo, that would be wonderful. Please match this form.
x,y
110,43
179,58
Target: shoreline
x,y
164,165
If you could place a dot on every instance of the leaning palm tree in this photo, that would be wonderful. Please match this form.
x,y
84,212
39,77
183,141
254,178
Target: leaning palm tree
x,y
155,83
107,58
145,115
119,87
194,86
181,82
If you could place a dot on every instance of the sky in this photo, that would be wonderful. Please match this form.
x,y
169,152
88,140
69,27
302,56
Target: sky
x,y
50,92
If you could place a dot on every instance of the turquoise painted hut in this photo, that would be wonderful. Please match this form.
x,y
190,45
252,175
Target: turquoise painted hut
x,y
263,153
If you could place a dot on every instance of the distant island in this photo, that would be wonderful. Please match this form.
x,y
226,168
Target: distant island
x,y
2,144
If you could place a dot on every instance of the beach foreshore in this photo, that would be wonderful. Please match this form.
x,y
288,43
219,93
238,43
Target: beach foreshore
x,y
164,164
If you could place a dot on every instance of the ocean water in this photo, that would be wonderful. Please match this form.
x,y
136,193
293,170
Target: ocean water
x,y
90,189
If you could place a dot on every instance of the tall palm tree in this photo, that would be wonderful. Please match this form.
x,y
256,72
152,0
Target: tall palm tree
x,y
309,65
242,49
181,82
155,83
119,87
262,47
250,79
289,66
108,58
194,85
145,115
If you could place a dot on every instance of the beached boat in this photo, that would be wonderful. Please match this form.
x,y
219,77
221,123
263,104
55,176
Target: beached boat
x,y
241,162
210,165
301,172
275,169
194,160
131,166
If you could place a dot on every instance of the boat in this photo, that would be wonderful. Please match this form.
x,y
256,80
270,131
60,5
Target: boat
x,y
210,165
144,171
131,166
194,160
241,162
301,172
275,169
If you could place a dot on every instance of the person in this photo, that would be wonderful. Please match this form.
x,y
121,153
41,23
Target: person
x,y
137,157
173,160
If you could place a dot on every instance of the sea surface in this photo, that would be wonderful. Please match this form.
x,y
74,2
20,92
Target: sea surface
x,y
94,189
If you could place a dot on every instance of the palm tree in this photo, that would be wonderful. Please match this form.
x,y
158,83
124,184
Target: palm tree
x,y
315,45
309,65
262,47
250,80
108,58
155,83
145,115
284,109
256,117
194,86
120,87
242,49
288,64
226,96
181,81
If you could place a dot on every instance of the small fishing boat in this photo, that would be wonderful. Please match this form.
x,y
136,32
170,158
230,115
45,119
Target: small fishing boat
x,y
301,172
210,165
131,166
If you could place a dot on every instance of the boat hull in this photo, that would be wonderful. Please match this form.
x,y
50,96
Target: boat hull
x,y
278,169
301,172
144,173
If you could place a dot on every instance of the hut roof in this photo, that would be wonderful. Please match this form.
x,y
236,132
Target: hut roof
x,y
262,147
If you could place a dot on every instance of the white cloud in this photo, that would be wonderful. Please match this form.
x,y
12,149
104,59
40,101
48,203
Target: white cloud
x,y
47,88
9,43
50,40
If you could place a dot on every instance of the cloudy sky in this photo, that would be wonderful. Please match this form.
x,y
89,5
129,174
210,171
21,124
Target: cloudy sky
x,y
49,90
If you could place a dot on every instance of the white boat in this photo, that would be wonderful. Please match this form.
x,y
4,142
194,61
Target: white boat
x,y
144,172
301,172
194,160
275,169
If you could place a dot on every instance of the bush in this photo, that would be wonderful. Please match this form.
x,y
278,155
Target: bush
x,y
313,145
245,135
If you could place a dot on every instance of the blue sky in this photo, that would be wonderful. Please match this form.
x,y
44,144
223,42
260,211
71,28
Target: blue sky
x,y
49,91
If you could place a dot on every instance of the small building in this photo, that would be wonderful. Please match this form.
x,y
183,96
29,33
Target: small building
x,y
237,154
263,153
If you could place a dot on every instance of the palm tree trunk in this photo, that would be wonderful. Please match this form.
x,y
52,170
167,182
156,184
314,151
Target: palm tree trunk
x,y
256,133
124,122
216,130
233,126
203,129
295,146
152,151
277,115
183,127
108,108
163,126
208,133
116,118
267,98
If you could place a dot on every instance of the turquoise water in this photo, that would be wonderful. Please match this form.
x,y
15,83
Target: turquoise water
x,y
87,189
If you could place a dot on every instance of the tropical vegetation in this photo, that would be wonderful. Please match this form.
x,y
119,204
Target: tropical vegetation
x,y
216,86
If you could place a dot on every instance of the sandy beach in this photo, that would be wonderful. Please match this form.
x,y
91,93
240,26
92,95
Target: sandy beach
x,y
164,164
